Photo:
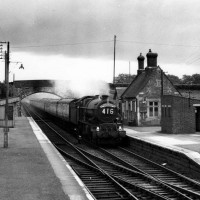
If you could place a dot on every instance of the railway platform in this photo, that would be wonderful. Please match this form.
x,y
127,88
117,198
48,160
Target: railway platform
x,y
187,144
31,168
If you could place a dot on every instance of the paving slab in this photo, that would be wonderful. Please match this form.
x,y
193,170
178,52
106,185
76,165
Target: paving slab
x,y
25,170
187,143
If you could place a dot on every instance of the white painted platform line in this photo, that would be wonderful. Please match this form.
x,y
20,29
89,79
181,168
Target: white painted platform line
x,y
129,131
170,141
38,132
59,164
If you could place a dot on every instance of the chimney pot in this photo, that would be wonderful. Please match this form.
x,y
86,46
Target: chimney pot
x,y
151,59
140,59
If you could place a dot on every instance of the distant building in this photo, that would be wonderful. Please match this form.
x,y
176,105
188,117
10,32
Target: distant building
x,y
189,90
117,97
141,100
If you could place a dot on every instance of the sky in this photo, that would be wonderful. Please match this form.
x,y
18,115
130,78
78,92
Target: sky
x,y
74,39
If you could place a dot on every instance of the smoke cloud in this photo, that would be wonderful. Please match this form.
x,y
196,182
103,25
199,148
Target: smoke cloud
x,y
80,88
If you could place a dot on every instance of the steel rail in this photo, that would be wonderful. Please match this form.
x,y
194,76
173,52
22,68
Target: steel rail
x,y
85,157
93,166
133,173
190,186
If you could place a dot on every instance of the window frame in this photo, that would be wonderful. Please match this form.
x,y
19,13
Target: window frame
x,y
153,108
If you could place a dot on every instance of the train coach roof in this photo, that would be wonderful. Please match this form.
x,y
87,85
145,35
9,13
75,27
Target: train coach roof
x,y
59,100
47,100
66,100
53,100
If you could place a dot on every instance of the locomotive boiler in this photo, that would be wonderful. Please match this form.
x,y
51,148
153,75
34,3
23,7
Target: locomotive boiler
x,y
93,117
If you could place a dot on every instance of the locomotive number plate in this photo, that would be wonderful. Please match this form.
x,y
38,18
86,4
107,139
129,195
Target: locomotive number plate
x,y
108,111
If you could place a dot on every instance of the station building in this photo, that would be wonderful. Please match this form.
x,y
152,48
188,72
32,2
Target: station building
x,y
141,100
180,114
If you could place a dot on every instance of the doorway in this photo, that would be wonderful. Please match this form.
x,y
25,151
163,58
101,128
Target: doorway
x,y
197,119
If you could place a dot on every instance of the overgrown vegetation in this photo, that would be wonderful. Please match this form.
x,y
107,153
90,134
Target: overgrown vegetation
x,y
186,79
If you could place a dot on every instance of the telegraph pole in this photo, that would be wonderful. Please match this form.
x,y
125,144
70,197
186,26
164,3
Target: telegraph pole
x,y
6,130
7,62
114,59
129,71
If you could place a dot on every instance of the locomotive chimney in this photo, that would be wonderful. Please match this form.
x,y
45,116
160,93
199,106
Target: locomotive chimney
x,y
151,59
104,97
96,96
140,59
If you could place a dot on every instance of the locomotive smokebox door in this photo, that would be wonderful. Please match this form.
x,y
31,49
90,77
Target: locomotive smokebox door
x,y
107,112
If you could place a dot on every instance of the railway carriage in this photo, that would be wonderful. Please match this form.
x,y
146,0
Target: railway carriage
x,y
93,117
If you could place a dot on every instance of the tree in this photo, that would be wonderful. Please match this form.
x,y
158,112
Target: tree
x,y
3,90
196,78
174,79
193,79
187,79
124,78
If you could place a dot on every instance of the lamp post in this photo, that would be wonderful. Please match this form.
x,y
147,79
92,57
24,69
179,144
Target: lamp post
x,y
14,91
21,67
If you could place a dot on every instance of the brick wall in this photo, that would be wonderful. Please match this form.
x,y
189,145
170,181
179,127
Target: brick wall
x,y
165,120
182,119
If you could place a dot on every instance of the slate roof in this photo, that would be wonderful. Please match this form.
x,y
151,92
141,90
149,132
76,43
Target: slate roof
x,y
119,91
138,83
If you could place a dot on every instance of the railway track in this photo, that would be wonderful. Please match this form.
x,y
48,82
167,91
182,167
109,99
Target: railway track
x,y
90,175
135,162
123,181
163,158
170,177
95,184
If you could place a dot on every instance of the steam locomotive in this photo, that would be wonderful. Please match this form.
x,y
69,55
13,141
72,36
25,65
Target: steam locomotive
x,y
93,117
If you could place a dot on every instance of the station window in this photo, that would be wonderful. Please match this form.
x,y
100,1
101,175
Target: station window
x,y
166,110
169,111
163,111
153,108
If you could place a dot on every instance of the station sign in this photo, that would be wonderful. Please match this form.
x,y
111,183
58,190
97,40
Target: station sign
x,y
10,123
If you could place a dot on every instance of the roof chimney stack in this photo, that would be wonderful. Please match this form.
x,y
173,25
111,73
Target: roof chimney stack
x,y
140,59
151,59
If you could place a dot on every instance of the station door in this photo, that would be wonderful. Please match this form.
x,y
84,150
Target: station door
x,y
197,118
